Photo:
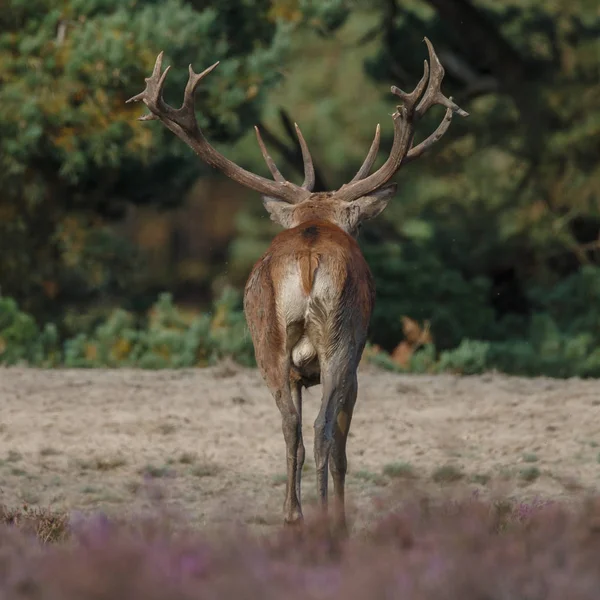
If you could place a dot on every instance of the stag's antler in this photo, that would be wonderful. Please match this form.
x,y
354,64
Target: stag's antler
x,y
309,170
405,118
182,122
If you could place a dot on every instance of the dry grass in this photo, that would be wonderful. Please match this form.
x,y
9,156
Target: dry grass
x,y
46,525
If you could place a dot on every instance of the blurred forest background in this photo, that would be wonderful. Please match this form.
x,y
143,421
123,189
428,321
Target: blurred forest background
x,y
488,257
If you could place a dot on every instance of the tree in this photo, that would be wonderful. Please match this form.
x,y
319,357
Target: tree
x,y
513,195
73,157
507,206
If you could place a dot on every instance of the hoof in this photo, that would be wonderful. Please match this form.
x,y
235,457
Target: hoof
x,y
293,521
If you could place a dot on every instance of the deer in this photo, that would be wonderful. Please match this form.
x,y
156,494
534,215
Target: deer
x,y
309,298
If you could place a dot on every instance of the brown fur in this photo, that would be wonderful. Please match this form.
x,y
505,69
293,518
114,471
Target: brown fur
x,y
309,299
309,263
338,332
330,247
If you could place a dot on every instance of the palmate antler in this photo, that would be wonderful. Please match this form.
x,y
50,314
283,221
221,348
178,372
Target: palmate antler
x,y
182,122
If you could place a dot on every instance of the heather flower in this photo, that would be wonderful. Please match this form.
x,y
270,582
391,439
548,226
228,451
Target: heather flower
x,y
422,550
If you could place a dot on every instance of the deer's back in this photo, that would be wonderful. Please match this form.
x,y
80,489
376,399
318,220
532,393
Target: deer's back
x,y
311,289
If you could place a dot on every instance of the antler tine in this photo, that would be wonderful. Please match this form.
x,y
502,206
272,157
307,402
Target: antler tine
x,y
277,176
370,158
152,94
433,94
182,122
309,169
188,120
426,93
411,99
402,140
421,148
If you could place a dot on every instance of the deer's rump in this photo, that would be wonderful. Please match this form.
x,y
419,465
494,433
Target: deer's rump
x,y
310,296
310,303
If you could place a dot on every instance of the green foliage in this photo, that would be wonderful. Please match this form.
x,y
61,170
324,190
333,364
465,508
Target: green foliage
x,y
493,235
381,359
469,358
164,339
21,340
413,280
509,199
73,156
562,339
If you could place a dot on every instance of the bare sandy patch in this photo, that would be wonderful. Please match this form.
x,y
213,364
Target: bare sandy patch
x,y
211,439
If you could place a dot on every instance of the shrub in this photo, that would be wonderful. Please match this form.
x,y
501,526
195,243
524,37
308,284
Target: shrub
x,y
46,525
562,339
21,340
164,339
423,550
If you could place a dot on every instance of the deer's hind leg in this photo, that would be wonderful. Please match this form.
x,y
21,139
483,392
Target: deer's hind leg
x,y
338,464
273,355
287,397
332,425
296,389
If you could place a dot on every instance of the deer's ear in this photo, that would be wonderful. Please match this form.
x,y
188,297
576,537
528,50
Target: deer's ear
x,y
281,212
368,207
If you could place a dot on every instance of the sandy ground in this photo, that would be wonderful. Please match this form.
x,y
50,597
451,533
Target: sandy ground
x,y
210,440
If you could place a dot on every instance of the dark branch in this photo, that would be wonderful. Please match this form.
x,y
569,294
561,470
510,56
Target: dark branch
x,y
482,42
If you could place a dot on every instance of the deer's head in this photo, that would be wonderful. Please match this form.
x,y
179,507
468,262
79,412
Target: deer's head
x,y
364,197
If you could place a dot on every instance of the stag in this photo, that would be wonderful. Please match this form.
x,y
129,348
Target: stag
x,y
309,298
